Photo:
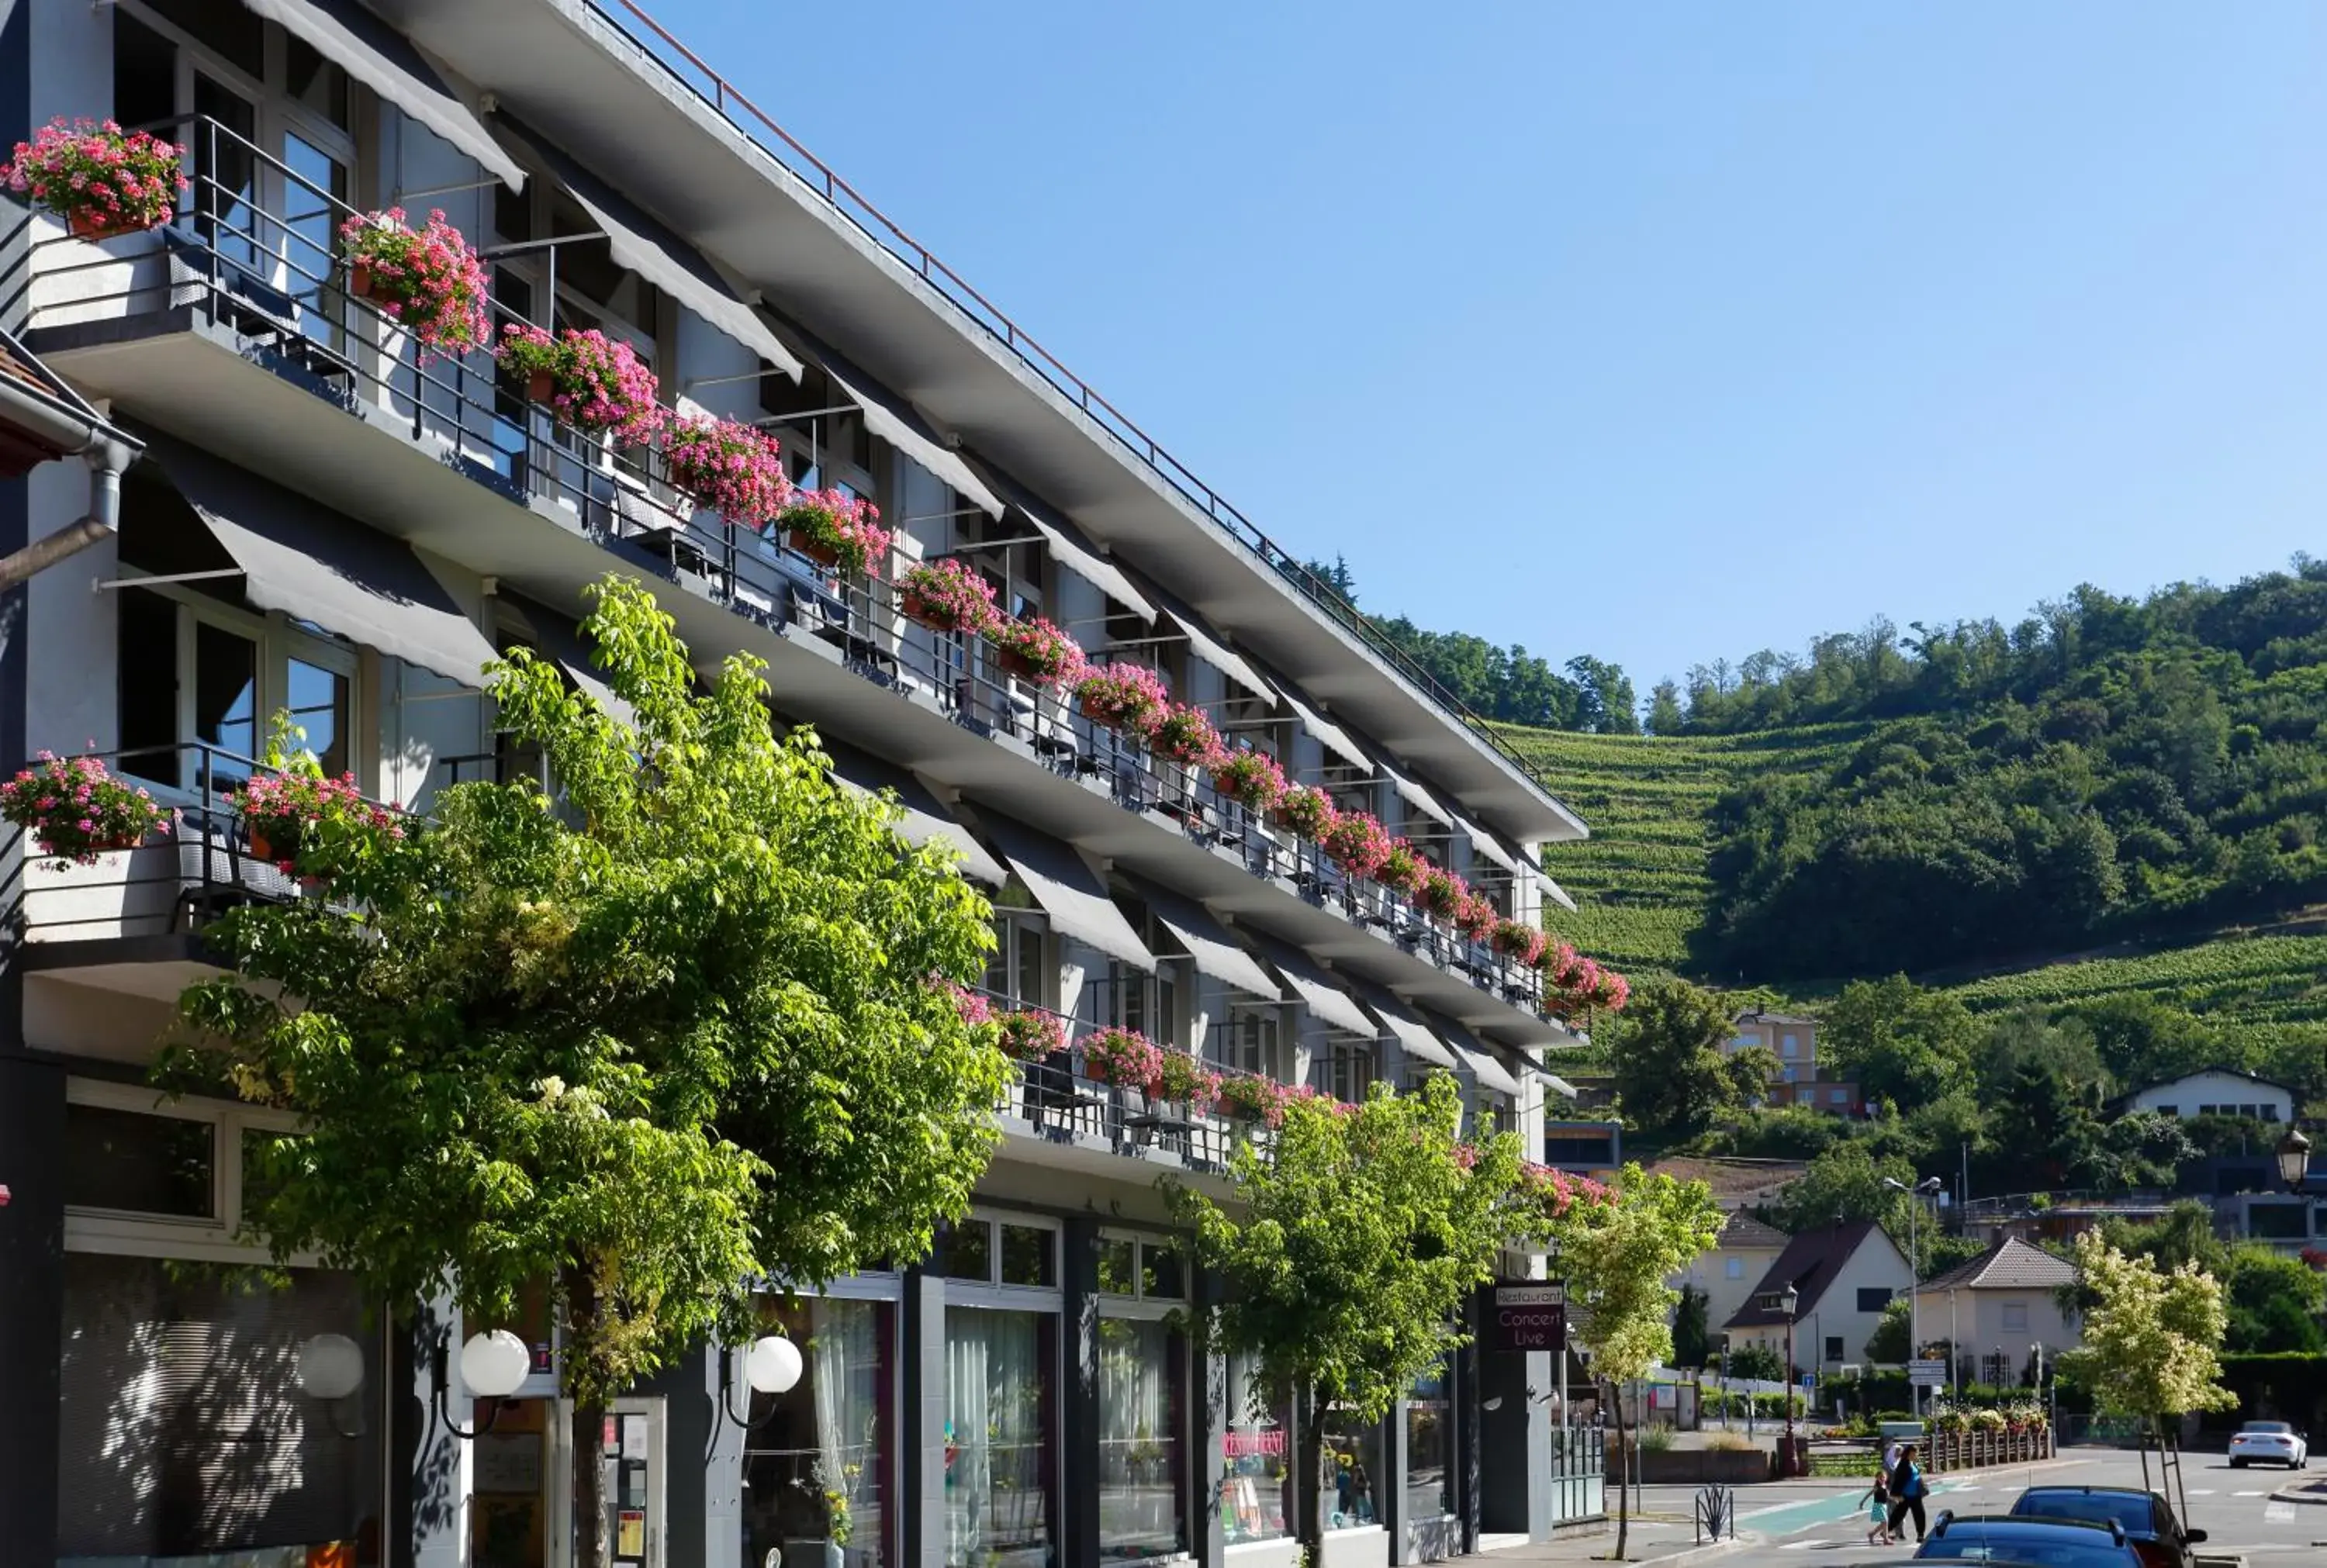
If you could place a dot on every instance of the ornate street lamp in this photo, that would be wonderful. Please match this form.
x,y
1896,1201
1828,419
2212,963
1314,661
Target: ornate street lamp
x,y
2294,1159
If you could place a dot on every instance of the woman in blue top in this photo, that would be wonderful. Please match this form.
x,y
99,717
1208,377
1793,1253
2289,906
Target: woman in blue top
x,y
1906,1492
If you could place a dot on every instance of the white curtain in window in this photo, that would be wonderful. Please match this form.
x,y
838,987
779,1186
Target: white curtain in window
x,y
845,1351
1138,1499
998,1458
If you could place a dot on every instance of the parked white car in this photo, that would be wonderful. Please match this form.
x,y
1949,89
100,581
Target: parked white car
x,y
2268,1442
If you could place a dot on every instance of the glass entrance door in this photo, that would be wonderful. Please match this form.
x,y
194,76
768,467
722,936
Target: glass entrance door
x,y
521,1513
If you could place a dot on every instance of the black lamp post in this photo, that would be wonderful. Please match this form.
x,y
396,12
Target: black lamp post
x,y
2294,1159
1791,1300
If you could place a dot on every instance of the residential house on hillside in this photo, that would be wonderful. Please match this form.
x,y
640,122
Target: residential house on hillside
x,y
2218,1091
1843,1276
1996,1309
1793,1038
1727,1274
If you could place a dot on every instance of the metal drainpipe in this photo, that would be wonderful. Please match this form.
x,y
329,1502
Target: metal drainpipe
x,y
107,454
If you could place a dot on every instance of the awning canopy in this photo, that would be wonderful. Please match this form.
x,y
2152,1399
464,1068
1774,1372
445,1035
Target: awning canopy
x,y
1069,891
647,246
1330,735
1411,1033
1487,847
1551,889
1416,796
367,49
1213,652
1070,549
1325,998
1557,1084
894,419
1209,946
1484,1064
925,816
318,566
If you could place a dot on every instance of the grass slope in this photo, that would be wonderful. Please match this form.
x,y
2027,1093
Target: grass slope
x,y
1640,887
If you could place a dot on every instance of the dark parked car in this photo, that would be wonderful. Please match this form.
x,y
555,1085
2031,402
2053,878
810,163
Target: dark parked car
x,y
2147,1519
2012,1538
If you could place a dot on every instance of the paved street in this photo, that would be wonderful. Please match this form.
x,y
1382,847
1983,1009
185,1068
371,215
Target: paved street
x,y
1818,1521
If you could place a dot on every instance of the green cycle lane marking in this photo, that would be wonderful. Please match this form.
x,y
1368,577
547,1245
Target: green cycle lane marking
x,y
1786,1518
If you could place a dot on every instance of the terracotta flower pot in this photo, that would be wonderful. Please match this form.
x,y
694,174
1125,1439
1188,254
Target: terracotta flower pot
x,y
823,554
360,279
540,386
89,226
922,612
1015,663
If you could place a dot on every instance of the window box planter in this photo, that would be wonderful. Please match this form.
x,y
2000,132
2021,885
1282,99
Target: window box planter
x,y
426,280
74,810
104,181
947,597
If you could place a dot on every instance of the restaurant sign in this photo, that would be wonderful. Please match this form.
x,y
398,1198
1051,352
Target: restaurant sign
x,y
1522,1317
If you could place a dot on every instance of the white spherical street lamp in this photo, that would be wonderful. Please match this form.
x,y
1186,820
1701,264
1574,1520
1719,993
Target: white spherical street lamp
x,y
331,1366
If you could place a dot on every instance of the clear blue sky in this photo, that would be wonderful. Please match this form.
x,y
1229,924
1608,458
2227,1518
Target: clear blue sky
x,y
1654,331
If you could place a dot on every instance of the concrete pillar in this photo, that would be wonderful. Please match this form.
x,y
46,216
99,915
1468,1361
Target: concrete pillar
x,y
1078,1421
921,1499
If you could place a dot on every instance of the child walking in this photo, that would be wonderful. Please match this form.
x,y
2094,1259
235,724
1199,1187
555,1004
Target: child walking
x,y
1878,1511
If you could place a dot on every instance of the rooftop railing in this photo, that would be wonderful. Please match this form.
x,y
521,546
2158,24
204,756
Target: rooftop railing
x,y
656,44
274,279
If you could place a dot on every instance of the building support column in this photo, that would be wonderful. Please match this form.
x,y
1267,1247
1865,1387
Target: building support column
x,y
1464,1392
922,1424
1392,1499
32,1291
703,1461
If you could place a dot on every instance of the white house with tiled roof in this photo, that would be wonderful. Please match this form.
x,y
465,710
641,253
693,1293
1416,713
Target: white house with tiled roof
x,y
1737,1262
1998,1308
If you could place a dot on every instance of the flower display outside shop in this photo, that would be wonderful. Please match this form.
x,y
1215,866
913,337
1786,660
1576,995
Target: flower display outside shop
x,y
1249,1098
1402,870
1124,1058
1357,842
1035,650
425,280
593,382
1180,1077
1028,1035
1251,778
835,528
1519,940
1184,736
101,179
733,469
1304,810
1129,697
947,597
75,809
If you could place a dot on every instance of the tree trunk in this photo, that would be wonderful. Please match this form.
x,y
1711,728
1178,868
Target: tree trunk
x,y
586,1385
1630,1461
1308,1493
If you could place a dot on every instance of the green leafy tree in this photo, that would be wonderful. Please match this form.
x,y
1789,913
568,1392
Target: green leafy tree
x,y
1844,1184
687,1044
1692,1335
1355,1237
1893,1343
2152,1339
1617,1261
1758,1363
2274,1303
1900,1041
1671,1074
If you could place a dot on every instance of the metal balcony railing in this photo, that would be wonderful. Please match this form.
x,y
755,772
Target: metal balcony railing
x,y
203,864
268,270
655,44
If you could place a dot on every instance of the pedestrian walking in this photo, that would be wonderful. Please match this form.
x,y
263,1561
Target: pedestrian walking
x,y
1906,1492
1878,1511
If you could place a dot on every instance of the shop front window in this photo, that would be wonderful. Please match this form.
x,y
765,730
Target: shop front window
x,y
1429,1444
1257,1478
1350,1468
1000,1438
1142,1379
815,1476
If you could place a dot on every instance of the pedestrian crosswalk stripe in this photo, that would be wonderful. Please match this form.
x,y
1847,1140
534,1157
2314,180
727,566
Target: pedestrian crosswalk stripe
x,y
2201,1491
2250,1494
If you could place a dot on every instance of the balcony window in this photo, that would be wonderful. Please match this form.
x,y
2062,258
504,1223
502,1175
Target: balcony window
x,y
1020,967
1255,1043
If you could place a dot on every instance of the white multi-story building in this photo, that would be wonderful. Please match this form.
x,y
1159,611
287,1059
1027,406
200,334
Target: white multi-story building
x,y
310,519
